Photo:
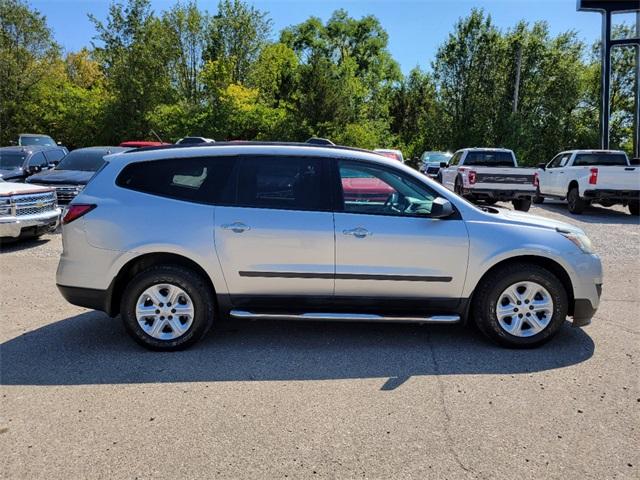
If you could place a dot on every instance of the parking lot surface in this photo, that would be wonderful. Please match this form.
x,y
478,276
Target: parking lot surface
x,y
319,400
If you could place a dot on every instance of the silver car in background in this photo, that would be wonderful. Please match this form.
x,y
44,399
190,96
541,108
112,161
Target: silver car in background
x,y
173,239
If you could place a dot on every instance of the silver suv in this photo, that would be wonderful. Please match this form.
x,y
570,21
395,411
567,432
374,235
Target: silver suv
x,y
174,239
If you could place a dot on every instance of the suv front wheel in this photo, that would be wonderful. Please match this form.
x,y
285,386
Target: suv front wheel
x,y
167,308
520,305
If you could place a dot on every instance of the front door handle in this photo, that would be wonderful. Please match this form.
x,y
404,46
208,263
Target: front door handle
x,y
357,232
236,227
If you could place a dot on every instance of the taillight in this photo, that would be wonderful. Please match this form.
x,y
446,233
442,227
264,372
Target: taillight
x,y
593,178
536,180
76,211
472,177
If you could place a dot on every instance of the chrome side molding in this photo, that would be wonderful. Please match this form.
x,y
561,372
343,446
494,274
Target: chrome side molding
x,y
344,317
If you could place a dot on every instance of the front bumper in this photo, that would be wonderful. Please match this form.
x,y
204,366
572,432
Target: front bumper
x,y
13,227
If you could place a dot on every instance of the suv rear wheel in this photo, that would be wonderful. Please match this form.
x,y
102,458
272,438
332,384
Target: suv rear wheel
x,y
167,308
634,207
520,305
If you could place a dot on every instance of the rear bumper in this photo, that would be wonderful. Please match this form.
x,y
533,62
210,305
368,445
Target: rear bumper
x,y
495,194
622,196
13,227
87,297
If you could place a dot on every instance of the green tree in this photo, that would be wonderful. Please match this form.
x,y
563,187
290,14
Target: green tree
x,y
235,35
27,55
135,52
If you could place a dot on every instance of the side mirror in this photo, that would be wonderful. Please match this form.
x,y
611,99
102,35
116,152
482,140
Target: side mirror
x,y
542,166
441,208
34,169
444,164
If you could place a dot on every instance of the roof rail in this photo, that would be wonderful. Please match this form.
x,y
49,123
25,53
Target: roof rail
x,y
233,143
319,141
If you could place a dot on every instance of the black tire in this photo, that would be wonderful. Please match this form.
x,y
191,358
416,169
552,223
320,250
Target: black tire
x,y
634,207
457,188
191,283
537,198
522,204
575,204
490,288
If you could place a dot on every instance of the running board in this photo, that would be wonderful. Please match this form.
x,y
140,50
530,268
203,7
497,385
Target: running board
x,y
344,317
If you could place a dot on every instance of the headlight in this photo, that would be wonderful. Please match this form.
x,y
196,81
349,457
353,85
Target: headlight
x,y
579,239
5,206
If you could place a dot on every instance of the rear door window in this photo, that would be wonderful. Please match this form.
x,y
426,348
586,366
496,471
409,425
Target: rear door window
x,y
283,182
200,180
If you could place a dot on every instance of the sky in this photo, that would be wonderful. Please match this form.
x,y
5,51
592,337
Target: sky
x,y
416,28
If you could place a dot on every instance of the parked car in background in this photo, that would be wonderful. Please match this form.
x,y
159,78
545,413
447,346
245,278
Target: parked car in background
x,y
489,175
393,154
430,162
583,177
26,210
261,231
141,144
36,139
194,140
17,163
74,171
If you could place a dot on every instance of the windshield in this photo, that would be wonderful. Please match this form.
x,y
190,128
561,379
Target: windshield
x,y
436,158
37,140
85,160
601,159
11,160
489,159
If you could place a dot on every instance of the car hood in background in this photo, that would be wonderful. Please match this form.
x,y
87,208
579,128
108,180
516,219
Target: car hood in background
x,y
62,177
9,174
12,188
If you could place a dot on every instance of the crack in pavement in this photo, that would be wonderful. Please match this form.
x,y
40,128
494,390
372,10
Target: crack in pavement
x,y
443,404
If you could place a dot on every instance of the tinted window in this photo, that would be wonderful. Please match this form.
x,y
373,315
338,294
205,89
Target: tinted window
x,y
11,160
54,155
282,182
370,189
86,160
601,159
455,159
202,180
38,160
489,159
556,161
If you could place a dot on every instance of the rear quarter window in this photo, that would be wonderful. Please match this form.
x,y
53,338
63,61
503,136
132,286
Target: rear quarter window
x,y
201,180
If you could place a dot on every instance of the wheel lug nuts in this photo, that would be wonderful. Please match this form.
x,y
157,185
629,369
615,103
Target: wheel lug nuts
x,y
157,312
173,310
519,303
515,309
520,315
171,317
161,318
528,314
526,301
168,304
161,304
530,307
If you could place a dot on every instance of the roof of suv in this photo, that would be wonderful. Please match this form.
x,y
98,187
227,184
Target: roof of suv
x,y
30,148
485,149
237,148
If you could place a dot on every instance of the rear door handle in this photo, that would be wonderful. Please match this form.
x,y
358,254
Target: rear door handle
x,y
357,232
236,227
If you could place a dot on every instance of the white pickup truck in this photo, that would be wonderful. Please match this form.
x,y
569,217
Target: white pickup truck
x,y
489,175
583,177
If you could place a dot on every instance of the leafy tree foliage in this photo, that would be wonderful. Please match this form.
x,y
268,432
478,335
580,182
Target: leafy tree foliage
x,y
186,71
